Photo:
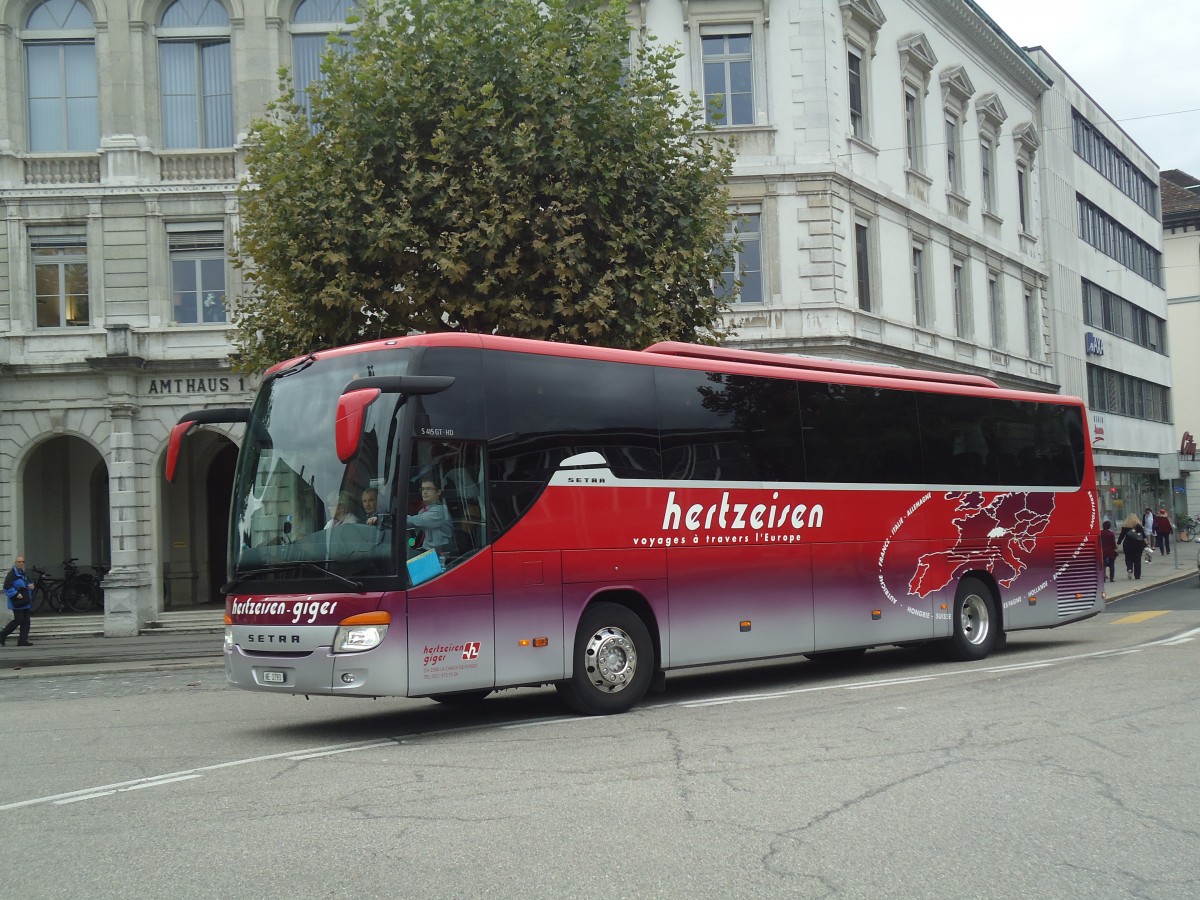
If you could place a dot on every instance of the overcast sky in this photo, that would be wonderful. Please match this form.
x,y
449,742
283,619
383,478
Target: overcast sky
x,y
1139,59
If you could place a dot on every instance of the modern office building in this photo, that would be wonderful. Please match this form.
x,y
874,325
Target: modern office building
x,y
905,184
1103,237
1181,267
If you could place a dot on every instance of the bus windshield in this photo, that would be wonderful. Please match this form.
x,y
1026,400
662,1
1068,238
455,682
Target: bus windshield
x,y
298,512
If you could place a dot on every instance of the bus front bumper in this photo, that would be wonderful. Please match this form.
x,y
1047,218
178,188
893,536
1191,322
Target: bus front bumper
x,y
316,669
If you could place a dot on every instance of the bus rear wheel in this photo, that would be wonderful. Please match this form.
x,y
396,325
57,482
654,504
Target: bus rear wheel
x,y
613,661
976,624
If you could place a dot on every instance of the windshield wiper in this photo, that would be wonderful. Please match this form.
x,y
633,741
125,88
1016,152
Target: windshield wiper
x,y
279,567
298,366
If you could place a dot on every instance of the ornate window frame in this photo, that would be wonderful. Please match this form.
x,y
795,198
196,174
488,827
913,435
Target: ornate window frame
x,y
957,91
917,61
861,22
702,18
1027,143
990,115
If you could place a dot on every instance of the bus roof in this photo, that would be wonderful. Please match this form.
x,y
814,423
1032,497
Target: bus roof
x,y
733,361
813,363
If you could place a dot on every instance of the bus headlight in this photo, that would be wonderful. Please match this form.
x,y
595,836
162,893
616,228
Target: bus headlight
x,y
362,632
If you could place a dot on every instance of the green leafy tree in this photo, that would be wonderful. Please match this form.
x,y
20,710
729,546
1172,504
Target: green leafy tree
x,y
484,166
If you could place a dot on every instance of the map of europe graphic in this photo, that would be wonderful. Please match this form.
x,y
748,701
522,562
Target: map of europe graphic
x,y
1003,532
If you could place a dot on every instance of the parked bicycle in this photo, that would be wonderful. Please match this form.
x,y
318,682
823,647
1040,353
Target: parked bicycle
x,y
75,591
1186,526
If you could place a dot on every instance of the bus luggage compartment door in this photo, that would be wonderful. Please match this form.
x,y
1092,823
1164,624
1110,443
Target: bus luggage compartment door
x,y
529,606
739,602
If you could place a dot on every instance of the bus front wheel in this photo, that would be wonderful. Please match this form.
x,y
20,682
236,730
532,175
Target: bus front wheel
x,y
613,661
976,625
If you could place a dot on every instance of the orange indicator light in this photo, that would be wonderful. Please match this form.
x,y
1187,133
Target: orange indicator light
x,y
541,642
379,617
523,642
876,614
1033,601
744,626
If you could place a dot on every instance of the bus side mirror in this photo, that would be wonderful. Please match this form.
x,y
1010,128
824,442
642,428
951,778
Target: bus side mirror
x,y
351,411
175,444
188,421
362,392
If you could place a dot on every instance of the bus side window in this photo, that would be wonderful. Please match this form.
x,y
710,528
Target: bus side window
x,y
446,478
464,499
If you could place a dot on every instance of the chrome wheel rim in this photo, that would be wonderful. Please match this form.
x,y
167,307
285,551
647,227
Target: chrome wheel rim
x,y
974,620
610,659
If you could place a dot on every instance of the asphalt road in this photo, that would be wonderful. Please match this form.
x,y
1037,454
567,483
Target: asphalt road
x,y
1062,767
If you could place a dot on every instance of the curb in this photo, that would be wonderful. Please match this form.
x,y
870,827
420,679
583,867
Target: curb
x,y
1142,588
99,667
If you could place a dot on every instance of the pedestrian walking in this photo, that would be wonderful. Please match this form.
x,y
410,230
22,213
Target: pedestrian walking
x,y
1133,543
1162,531
1108,549
19,592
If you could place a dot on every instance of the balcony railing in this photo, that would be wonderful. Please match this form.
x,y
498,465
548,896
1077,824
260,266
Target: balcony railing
x,y
197,165
47,170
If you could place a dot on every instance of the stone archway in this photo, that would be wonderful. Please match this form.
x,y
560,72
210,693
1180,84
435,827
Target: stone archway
x,y
194,523
65,502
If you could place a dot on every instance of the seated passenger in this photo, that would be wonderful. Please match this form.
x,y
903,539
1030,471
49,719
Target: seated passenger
x,y
370,506
341,511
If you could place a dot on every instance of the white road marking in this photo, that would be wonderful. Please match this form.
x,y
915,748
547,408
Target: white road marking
x,y
156,782
109,790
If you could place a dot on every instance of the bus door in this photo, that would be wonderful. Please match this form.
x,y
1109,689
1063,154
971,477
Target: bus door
x,y
451,636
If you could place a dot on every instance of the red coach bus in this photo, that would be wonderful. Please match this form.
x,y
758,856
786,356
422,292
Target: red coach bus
x,y
448,515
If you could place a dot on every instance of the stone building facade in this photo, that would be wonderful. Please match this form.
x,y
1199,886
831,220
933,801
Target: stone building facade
x,y
901,193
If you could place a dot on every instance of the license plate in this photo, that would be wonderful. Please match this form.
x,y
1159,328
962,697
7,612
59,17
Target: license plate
x,y
274,677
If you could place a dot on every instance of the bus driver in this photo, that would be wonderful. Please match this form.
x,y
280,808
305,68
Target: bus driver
x,y
436,529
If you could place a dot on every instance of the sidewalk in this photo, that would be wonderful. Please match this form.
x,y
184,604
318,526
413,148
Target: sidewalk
x,y
1161,571
73,644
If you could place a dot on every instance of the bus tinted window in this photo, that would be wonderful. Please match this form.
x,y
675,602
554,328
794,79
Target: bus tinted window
x,y
728,427
958,439
457,413
544,409
859,434
1040,444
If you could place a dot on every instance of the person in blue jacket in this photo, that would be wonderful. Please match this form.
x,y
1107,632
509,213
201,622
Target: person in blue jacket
x,y
20,599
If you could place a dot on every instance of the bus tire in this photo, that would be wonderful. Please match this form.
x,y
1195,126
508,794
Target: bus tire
x,y
613,661
976,625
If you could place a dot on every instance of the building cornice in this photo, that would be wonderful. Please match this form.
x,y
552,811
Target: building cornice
x,y
991,39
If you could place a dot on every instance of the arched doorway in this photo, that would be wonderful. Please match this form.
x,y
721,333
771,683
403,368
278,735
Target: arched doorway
x,y
65,502
219,485
195,516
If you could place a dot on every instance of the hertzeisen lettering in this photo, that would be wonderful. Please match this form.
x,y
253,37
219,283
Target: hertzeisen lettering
x,y
741,516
